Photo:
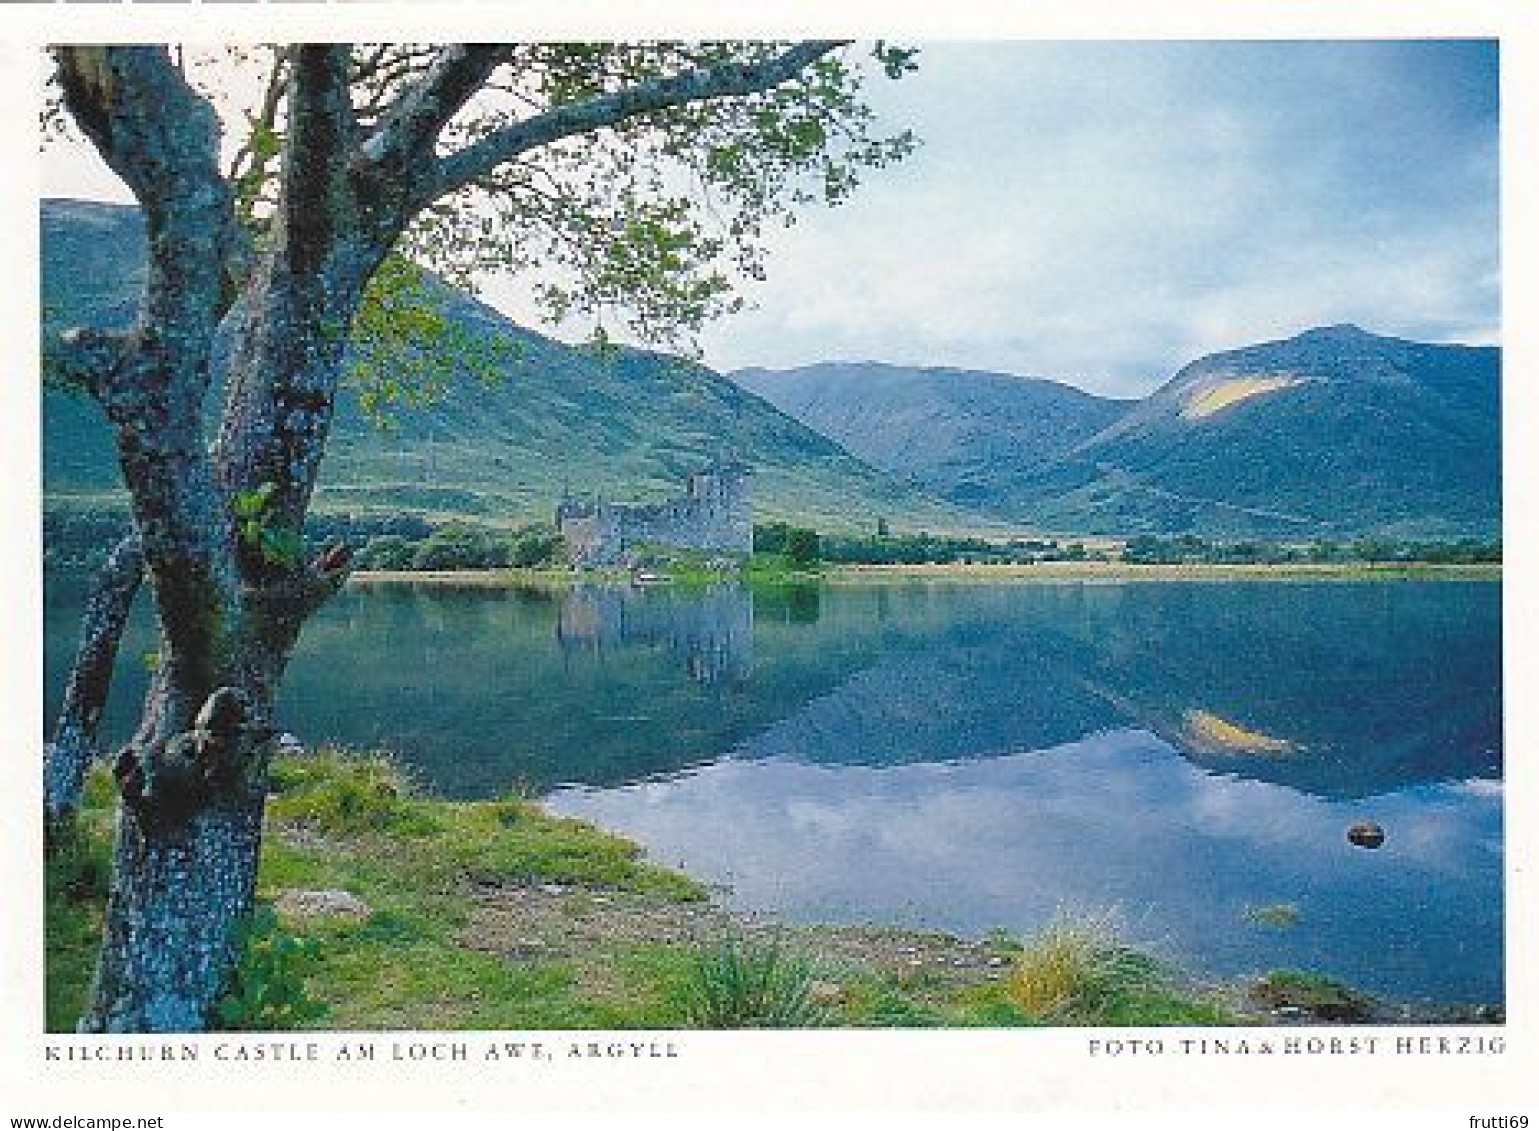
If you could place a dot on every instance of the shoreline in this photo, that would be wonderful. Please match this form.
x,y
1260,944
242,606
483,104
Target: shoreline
x,y
1117,572
1206,571
424,913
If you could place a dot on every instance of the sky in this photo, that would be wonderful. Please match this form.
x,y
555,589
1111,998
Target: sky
x,y
1103,213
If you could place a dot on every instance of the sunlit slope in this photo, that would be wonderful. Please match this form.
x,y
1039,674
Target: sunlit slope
x,y
1333,433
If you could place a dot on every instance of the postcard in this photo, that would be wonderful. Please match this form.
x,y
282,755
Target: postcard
x,y
575,558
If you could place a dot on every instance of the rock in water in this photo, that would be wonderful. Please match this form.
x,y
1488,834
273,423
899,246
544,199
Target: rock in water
x,y
1366,834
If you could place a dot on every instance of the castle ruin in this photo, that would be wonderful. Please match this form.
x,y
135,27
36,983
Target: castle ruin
x,y
713,514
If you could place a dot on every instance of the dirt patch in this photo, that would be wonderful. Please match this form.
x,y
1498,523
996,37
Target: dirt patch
x,y
554,922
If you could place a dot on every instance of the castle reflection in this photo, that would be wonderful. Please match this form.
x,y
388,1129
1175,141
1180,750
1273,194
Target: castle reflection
x,y
710,631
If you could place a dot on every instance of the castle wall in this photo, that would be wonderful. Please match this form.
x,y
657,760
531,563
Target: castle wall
x,y
714,514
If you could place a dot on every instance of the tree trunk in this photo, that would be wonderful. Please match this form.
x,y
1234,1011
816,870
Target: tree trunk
x,y
229,596
190,827
179,891
189,837
74,745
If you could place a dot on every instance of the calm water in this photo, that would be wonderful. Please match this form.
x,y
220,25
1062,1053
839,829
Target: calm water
x,y
974,756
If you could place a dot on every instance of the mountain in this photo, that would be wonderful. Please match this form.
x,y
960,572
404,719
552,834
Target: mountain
x,y
1333,432
625,423
969,436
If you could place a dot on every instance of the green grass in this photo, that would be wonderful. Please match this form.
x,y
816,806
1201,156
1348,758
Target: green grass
x,y
348,796
75,885
742,985
412,860
421,959
1079,971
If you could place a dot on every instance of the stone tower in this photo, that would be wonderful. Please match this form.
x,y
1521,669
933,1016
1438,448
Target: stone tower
x,y
721,505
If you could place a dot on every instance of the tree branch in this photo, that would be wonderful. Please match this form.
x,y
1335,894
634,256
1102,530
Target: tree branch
x,y
248,171
317,195
134,105
162,138
407,132
291,329
74,745
725,80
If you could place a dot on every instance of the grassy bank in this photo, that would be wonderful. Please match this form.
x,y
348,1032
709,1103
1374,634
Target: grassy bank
x,y
384,910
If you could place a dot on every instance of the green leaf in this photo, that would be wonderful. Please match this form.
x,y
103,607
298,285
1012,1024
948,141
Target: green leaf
x,y
281,546
252,504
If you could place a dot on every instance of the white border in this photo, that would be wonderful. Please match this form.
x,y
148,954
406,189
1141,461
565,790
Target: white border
x,y
1017,1070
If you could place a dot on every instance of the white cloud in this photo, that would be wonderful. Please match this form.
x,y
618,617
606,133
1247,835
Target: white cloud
x,y
1104,213
1107,212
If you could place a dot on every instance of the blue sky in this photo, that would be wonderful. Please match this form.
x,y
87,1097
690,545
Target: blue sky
x,y
1105,212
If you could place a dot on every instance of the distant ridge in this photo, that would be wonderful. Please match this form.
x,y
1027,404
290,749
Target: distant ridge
x,y
970,436
1335,432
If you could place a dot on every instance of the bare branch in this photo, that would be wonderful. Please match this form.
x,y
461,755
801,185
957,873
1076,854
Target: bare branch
x,y
725,80
409,129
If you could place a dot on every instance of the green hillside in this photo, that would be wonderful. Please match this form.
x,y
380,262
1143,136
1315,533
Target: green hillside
x,y
966,435
625,423
1334,432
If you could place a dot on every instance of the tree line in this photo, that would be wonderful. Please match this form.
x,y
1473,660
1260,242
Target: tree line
x,y
79,539
1149,549
804,546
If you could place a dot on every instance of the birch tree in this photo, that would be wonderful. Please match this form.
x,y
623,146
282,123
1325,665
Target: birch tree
x,y
626,180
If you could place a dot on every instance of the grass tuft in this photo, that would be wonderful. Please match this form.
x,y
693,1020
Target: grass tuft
x,y
348,794
740,985
1078,971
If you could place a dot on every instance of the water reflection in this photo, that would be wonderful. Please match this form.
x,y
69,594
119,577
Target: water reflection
x,y
1119,821
710,630
1337,690
967,756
